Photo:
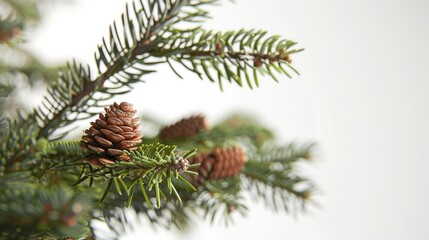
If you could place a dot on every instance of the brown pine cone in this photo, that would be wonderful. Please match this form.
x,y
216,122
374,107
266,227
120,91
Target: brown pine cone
x,y
186,127
218,164
112,132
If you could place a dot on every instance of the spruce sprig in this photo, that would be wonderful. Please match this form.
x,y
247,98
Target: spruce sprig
x,y
152,165
236,56
271,175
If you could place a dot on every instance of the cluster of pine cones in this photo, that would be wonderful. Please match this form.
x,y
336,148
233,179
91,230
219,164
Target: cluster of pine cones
x,y
217,164
117,130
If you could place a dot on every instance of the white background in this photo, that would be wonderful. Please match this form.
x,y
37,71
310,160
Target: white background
x,y
362,96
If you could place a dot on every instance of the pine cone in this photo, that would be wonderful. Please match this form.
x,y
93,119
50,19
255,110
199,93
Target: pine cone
x,y
218,164
112,132
186,127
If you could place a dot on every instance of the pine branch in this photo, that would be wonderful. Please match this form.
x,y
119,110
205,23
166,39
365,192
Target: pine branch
x,y
34,169
76,92
286,155
219,199
271,176
30,212
69,149
230,55
19,144
169,215
216,201
59,162
152,166
120,62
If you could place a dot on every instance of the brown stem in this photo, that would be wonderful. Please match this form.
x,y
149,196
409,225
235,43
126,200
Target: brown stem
x,y
239,55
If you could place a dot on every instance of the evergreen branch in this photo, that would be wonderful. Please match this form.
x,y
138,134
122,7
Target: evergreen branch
x,y
69,149
152,165
120,62
20,141
30,212
219,199
216,201
170,213
62,159
286,155
271,176
230,55
75,92
167,216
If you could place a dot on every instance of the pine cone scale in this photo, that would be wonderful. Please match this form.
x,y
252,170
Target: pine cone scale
x,y
126,128
101,123
125,120
103,142
88,139
114,152
110,114
115,129
126,107
128,143
129,135
119,112
96,149
114,121
106,161
114,137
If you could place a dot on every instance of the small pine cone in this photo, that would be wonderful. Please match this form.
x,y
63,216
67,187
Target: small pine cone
x,y
218,164
112,132
186,127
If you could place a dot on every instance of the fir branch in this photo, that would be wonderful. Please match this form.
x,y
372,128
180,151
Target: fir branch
x,y
169,215
30,212
20,142
62,159
286,155
152,165
69,149
120,59
74,93
271,176
219,199
34,171
230,55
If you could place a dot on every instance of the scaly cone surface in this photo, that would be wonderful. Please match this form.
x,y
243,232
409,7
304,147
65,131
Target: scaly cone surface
x,y
110,134
218,164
